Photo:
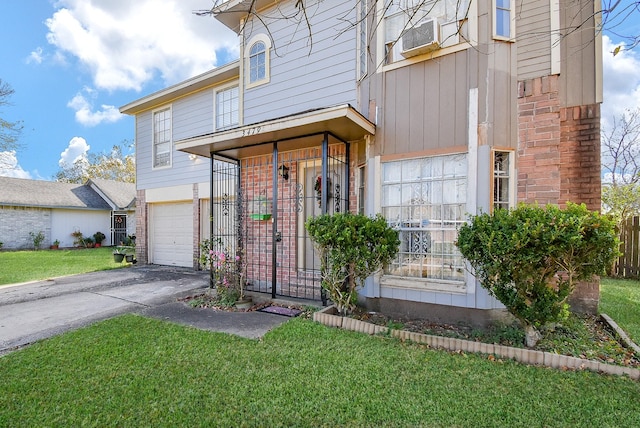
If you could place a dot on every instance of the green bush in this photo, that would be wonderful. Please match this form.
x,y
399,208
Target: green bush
x,y
531,258
351,248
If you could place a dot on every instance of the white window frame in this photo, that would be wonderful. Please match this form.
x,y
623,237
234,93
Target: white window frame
x,y
426,225
216,106
512,20
259,38
363,37
155,142
509,174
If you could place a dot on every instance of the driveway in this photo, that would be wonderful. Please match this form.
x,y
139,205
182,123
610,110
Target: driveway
x,y
34,311
39,310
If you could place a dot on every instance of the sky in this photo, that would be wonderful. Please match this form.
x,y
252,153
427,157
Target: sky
x,y
73,63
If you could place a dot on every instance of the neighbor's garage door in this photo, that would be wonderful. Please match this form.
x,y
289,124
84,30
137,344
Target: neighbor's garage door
x,y
172,234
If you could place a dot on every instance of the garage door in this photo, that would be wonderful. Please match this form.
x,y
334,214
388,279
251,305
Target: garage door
x,y
172,234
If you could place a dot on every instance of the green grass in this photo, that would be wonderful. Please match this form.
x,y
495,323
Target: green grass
x,y
134,371
23,266
620,299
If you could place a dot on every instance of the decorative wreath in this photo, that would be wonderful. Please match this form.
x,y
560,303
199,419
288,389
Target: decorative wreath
x,y
119,220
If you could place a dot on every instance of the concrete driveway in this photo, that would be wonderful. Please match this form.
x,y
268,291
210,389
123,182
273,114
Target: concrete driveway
x,y
38,310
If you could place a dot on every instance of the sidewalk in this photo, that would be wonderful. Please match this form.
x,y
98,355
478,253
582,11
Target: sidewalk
x,y
39,310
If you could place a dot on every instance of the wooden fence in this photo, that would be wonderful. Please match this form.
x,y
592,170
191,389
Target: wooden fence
x,y
628,265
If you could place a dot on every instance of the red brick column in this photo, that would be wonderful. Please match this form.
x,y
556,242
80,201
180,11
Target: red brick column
x,y
142,214
538,140
559,159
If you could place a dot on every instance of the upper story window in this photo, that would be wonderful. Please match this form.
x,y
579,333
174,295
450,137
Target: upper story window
x,y
162,138
257,60
363,38
415,27
503,19
227,108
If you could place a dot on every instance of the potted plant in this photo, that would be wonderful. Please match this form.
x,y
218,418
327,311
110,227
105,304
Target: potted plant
x,y
55,245
118,254
98,237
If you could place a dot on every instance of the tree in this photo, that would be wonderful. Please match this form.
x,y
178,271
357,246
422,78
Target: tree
x,y
531,258
114,165
9,131
621,167
351,247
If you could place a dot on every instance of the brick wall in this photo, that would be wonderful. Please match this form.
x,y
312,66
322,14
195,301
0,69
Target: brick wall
x,y
559,158
142,227
17,222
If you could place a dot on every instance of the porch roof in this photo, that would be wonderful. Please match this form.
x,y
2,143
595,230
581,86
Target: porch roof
x,y
296,131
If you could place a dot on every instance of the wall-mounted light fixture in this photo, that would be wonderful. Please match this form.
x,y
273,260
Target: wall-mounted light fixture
x,y
193,157
283,171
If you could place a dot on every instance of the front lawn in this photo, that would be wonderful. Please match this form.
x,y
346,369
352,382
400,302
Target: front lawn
x,y
23,266
135,371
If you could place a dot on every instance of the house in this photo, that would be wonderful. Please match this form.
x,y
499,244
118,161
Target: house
x,y
57,209
424,111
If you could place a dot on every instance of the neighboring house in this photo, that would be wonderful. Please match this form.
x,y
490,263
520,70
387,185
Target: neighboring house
x,y
59,209
424,114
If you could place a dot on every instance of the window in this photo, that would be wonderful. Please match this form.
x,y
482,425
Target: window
x,y
361,189
227,108
406,17
502,19
502,180
162,138
257,60
362,39
425,200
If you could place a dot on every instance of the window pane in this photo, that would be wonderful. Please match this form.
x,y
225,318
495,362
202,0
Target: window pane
x,y
503,23
425,200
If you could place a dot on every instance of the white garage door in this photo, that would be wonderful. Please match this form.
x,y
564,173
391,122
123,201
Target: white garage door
x,y
172,234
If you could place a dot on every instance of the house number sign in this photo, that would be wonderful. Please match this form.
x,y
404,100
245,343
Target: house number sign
x,y
251,131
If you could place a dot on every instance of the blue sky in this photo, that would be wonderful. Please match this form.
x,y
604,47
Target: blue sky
x,y
72,63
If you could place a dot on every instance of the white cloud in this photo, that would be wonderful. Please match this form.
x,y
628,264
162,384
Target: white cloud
x,y
76,150
86,116
621,84
35,56
9,166
124,44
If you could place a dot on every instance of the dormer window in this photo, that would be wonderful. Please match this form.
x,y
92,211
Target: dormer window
x,y
257,60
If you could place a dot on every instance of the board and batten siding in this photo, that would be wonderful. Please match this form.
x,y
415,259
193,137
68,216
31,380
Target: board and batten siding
x,y
306,73
191,116
533,35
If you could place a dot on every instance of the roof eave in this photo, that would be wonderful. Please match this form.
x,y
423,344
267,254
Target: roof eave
x,y
204,80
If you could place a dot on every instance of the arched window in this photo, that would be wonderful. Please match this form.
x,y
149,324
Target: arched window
x,y
258,60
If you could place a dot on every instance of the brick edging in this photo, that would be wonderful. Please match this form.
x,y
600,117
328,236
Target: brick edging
x,y
526,356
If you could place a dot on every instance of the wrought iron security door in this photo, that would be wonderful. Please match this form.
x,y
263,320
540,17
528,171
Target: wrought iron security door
x,y
260,205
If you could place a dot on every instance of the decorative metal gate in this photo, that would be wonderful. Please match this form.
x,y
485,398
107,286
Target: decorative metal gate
x,y
259,208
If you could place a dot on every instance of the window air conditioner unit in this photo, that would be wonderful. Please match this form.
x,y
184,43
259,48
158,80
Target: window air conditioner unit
x,y
423,38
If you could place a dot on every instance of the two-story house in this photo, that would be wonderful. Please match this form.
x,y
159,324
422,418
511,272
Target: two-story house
x,y
424,111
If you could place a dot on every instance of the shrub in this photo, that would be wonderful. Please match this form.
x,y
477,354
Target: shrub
x,y
98,237
78,239
531,258
226,271
37,239
351,247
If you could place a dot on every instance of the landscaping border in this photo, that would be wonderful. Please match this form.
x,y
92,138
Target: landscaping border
x,y
527,356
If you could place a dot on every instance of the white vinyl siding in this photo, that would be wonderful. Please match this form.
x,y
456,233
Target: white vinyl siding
x,y
162,138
